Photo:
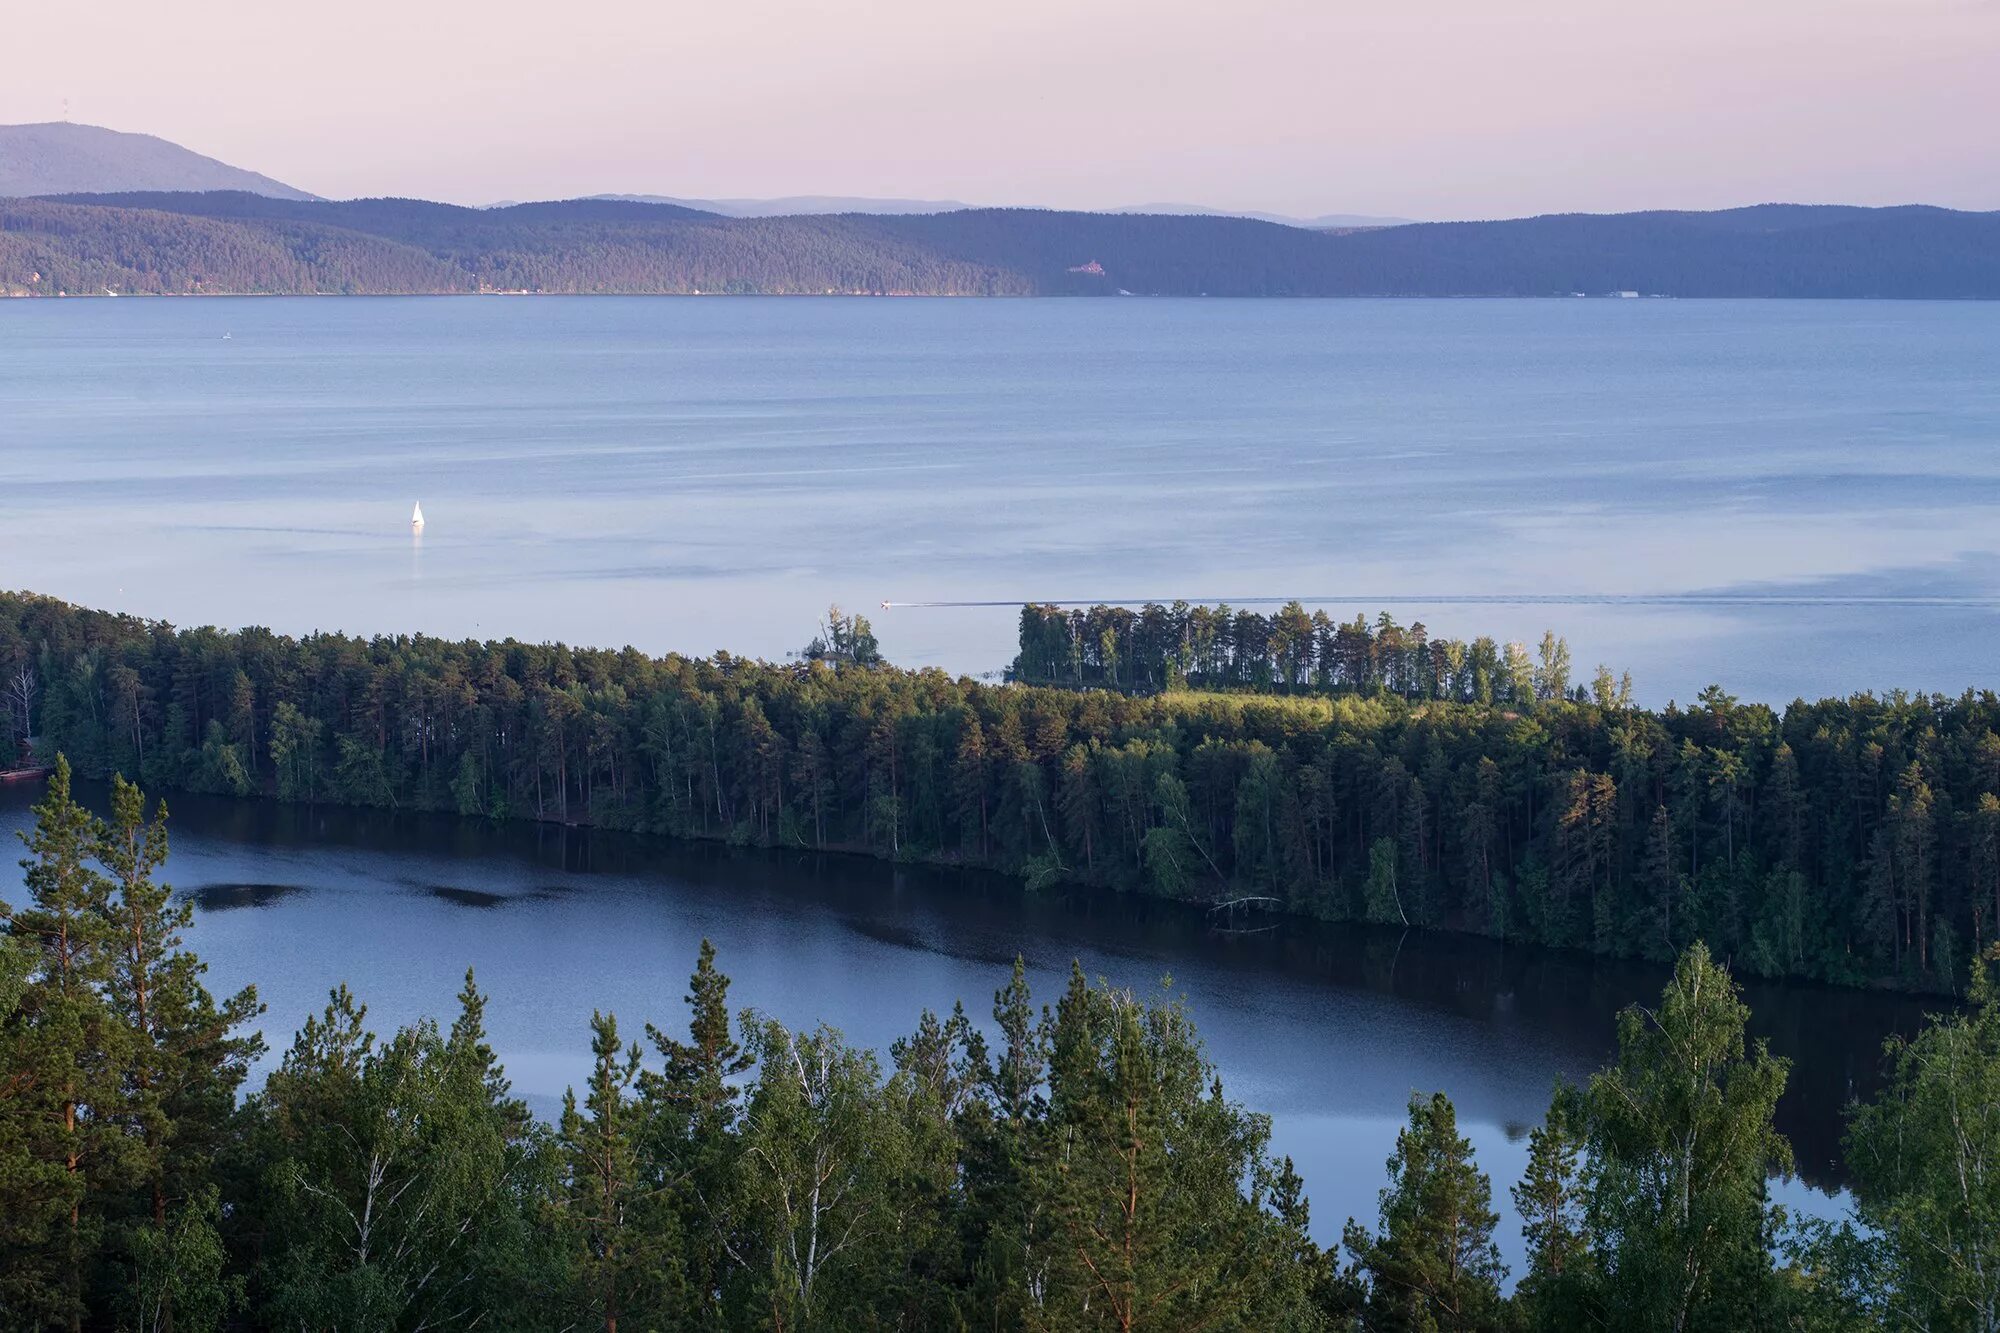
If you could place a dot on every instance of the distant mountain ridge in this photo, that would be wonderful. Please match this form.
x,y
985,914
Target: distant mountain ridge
x,y
803,205
796,205
1323,222
57,157
239,242
60,158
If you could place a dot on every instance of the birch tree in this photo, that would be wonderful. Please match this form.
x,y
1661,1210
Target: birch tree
x,y
1926,1159
1680,1141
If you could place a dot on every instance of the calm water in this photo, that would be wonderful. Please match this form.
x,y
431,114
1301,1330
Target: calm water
x,y
1328,1030
688,474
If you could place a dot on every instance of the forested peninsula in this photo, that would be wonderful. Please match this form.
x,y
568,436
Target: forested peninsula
x,y
224,242
1345,772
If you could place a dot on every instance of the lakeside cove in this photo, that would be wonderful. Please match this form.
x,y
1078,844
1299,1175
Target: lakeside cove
x,y
1327,1028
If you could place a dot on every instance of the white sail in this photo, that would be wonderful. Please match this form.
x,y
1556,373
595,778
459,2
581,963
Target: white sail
x,y
417,517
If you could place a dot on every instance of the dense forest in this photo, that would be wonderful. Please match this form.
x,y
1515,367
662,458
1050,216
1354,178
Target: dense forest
x,y
228,241
1851,840
1292,652
1077,1167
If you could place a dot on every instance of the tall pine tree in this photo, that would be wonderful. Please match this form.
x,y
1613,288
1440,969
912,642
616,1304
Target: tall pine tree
x,y
1434,1265
66,1052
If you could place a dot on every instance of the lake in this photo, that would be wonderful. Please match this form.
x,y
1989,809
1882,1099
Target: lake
x,y
1327,1029
1820,478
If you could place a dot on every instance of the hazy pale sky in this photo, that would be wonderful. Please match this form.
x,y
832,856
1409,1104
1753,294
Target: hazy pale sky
x,y
1423,108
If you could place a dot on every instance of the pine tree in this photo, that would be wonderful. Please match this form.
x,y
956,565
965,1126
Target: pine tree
x,y
65,1057
184,1056
1141,1172
691,1106
937,1078
32,1180
1556,1292
1434,1266
598,1144
506,1265
999,1135
697,1072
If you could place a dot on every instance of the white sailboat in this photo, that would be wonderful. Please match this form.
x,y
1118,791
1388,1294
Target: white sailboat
x,y
417,519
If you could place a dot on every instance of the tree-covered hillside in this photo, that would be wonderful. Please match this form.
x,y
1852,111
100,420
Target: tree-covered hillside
x,y
235,242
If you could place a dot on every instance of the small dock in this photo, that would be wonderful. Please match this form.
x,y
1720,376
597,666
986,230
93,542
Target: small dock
x,y
28,774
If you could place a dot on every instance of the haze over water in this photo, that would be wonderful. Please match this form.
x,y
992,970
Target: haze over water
x,y
700,474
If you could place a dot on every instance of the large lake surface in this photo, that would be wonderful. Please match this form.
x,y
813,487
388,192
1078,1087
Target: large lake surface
x,y
1789,498
1328,1030
1816,481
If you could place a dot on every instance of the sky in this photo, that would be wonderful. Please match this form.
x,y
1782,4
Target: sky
x,y
1412,108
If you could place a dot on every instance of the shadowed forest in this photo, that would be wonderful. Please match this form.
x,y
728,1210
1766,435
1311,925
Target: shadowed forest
x,y
1343,774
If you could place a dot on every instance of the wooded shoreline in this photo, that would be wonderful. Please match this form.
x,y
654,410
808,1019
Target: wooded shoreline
x,y
188,242
1077,1168
1848,841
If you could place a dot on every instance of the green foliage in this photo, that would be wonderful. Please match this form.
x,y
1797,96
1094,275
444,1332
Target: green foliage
x,y
844,640
1084,1170
1558,1289
63,1057
1434,1266
118,1080
819,1150
1289,652
1926,1158
183,1063
600,1208
1679,1140
181,1271
1848,841
1142,1162
693,1102
394,1178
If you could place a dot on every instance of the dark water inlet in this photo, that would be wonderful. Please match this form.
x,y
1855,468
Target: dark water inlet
x,y
1327,1028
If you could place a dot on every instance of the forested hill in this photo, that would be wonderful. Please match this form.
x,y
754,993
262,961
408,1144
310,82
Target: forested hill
x,y
56,157
229,241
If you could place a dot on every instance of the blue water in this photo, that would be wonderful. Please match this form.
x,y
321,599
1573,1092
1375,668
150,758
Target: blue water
x,y
1327,1029
701,474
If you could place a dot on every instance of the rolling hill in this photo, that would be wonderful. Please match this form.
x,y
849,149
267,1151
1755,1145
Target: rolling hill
x,y
240,242
792,205
60,158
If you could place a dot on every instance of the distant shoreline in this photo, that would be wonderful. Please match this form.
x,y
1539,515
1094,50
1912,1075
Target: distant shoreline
x,y
51,297
231,243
